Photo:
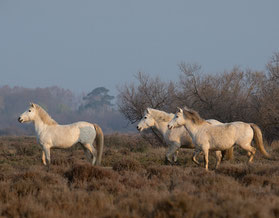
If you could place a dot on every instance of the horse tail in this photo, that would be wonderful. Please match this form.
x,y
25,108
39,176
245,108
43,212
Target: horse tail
x,y
258,139
99,143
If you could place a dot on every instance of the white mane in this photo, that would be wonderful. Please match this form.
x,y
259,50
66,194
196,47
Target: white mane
x,y
45,117
160,115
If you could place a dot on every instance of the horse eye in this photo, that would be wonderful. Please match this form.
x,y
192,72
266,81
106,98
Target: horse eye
x,y
29,110
145,117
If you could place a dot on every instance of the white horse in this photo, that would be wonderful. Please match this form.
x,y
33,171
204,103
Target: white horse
x,y
218,137
52,135
174,138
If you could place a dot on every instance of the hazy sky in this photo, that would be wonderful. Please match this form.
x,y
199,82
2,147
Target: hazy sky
x,y
82,44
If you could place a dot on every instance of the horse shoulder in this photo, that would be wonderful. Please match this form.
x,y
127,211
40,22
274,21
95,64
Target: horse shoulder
x,y
172,134
181,136
201,136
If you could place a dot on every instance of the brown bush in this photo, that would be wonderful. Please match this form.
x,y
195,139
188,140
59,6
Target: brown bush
x,y
86,172
136,184
183,205
126,164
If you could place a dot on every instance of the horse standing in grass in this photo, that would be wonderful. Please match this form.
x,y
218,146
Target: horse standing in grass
x,y
174,138
52,135
218,137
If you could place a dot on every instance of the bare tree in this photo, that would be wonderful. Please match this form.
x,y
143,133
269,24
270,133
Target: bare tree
x,y
267,100
223,96
149,92
244,95
273,67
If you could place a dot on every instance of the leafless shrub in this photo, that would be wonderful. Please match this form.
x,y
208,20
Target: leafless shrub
x,y
133,142
139,186
183,205
86,172
225,97
126,164
273,67
237,172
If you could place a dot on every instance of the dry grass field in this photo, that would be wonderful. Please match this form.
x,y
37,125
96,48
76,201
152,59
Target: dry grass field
x,y
139,184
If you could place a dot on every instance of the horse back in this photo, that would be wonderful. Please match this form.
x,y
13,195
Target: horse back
x,y
217,137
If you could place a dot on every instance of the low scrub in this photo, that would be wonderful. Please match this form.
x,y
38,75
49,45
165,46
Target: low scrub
x,y
133,183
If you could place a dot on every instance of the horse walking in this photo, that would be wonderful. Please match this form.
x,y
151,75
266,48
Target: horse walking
x,y
175,138
218,137
52,135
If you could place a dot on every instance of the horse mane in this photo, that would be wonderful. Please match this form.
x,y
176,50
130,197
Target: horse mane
x,y
45,117
193,115
160,115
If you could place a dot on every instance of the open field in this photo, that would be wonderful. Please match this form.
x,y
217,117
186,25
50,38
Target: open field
x,y
138,185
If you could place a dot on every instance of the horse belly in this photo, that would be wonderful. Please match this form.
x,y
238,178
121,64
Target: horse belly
x,y
65,138
221,144
220,137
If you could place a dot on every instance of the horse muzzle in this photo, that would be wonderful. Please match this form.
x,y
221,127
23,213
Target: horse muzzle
x,y
170,127
20,120
139,128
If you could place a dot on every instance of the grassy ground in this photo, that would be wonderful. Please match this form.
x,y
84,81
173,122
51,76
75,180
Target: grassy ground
x,y
138,185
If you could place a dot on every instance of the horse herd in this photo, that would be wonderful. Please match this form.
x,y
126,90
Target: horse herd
x,y
184,129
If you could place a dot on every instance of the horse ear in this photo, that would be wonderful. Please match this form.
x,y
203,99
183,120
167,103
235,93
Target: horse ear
x,y
179,109
32,104
186,108
148,110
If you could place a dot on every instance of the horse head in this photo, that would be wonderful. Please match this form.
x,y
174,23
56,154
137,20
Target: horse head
x,y
29,115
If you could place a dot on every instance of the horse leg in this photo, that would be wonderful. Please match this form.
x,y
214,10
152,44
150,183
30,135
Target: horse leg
x,y
251,155
196,153
171,153
250,151
87,153
46,150
205,151
92,150
218,158
174,157
44,158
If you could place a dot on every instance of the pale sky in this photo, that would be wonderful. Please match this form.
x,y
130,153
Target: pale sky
x,y
82,44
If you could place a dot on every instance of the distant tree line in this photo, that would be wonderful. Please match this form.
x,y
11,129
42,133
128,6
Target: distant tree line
x,y
63,105
245,95
235,95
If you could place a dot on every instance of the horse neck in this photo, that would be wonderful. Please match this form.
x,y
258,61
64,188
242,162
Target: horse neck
x,y
161,126
192,127
39,125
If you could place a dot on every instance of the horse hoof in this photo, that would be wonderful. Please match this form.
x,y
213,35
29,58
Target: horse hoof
x,y
167,161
